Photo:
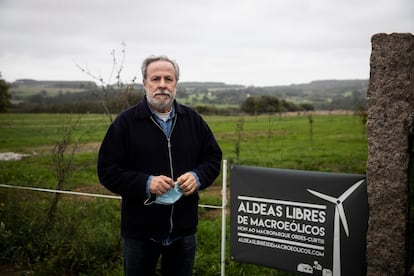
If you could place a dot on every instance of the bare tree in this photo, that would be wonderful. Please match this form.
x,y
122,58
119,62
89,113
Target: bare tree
x,y
121,90
62,156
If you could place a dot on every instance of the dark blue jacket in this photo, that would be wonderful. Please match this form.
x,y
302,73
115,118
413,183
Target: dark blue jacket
x,y
135,147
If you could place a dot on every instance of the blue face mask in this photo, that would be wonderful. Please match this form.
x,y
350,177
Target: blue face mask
x,y
170,197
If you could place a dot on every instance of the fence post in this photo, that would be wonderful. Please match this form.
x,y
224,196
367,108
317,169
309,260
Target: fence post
x,y
390,100
223,219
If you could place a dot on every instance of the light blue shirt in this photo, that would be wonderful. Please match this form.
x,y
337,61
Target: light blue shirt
x,y
167,124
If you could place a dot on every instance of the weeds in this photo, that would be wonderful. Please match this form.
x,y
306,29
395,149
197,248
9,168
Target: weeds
x,y
239,130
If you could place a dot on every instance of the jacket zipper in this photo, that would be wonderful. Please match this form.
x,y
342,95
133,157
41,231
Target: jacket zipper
x,y
170,157
172,176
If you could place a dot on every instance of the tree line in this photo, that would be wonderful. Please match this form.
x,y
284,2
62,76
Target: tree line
x,y
206,98
4,95
116,101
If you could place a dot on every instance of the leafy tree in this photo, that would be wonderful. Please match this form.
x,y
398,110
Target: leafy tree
x,y
267,104
4,95
249,105
307,106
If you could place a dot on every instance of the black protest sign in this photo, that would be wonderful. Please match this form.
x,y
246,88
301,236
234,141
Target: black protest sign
x,y
311,223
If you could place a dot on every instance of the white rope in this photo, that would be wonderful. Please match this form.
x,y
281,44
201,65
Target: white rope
x,y
210,206
82,194
58,191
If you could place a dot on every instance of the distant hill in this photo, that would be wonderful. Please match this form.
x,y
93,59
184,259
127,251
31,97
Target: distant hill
x,y
321,88
56,84
24,88
207,85
322,94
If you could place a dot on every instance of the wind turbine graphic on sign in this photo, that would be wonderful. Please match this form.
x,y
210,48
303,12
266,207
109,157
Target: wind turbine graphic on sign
x,y
339,216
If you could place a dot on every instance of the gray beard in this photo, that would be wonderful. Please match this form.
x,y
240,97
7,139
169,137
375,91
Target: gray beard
x,y
160,105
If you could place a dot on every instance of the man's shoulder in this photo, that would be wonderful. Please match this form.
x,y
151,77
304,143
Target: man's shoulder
x,y
186,110
137,110
129,115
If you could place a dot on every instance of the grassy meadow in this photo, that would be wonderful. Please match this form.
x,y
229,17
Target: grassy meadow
x,y
80,235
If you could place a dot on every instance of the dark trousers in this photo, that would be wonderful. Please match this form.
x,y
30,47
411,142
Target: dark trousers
x,y
177,256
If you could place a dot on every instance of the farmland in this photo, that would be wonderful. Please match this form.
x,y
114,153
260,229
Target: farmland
x,y
84,235
298,141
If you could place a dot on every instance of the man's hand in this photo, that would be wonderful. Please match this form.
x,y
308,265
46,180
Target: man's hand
x,y
187,183
160,184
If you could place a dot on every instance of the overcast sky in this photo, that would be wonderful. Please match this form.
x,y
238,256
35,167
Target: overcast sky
x,y
249,42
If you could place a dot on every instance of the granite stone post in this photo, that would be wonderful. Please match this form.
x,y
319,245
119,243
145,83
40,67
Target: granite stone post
x,y
390,100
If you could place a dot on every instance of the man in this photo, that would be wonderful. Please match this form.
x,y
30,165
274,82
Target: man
x,y
157,155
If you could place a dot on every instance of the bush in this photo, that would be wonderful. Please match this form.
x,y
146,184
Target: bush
x,y
84,239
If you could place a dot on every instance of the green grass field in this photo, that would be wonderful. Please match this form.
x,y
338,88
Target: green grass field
x,y
334,143
326,143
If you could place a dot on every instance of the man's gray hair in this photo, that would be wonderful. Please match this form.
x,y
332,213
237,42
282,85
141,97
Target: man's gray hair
x,y
151,59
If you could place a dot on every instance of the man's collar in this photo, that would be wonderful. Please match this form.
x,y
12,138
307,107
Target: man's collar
x,y
171,115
